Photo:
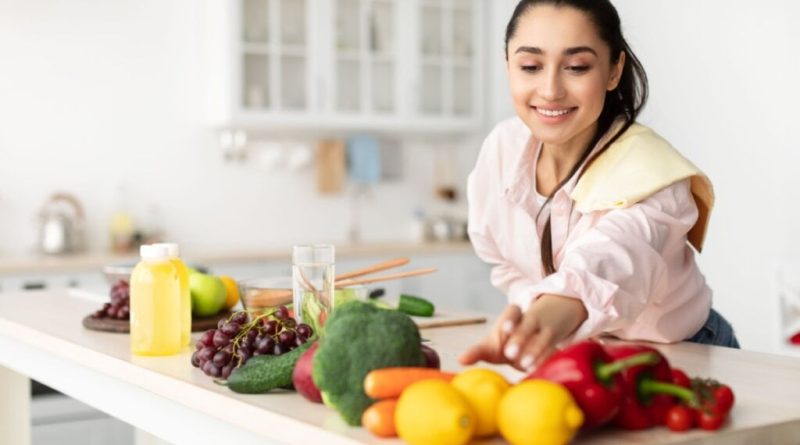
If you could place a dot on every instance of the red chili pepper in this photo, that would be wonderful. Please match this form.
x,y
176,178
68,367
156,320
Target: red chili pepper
x,y
592,377
715,401
648,391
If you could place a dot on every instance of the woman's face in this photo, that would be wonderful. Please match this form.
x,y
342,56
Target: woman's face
x,y
559,71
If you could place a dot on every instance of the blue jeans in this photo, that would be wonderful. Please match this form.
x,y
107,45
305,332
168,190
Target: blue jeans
x,y
717,331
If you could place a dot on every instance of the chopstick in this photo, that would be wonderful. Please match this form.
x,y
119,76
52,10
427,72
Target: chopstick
x,y
395,276
396,262
342,280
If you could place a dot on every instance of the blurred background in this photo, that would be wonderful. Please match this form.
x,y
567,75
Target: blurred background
x,y
241,127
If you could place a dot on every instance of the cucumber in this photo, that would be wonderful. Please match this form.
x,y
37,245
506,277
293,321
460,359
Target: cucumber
x,y
412,305
266,372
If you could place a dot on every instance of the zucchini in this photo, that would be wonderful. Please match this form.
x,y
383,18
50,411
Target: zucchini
x,y
418,306
266,372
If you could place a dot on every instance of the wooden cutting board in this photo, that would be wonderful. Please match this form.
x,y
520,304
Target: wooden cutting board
x,y
123,326
331,166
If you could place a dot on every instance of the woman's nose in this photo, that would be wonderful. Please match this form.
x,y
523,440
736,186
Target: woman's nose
x,y
552,86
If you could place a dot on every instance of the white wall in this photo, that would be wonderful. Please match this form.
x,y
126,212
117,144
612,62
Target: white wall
x,y
95,94
724,90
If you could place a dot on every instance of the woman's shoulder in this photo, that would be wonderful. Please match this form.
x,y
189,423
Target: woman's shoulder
x,y
510,131
505,142
641,136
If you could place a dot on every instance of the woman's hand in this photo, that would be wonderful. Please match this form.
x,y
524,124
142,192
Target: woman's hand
x,y
525,340
490,349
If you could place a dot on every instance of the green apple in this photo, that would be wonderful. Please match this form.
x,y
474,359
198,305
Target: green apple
x,y
208,294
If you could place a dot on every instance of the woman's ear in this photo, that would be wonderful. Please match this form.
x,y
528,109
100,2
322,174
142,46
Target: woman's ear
x,y
616,72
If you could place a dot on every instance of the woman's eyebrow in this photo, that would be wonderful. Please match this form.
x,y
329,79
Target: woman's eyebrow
x,y
567,52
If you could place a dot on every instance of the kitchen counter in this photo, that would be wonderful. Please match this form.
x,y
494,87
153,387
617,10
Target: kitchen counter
x,y
41,337
95,261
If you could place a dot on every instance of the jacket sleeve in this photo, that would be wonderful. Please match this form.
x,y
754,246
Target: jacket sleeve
x,y
619,264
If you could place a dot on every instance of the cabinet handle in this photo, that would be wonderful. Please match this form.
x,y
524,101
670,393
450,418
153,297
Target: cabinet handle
x,y
34,285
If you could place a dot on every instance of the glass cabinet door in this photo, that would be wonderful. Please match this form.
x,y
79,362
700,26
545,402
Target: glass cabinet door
x,y
447,46
364,56
274,55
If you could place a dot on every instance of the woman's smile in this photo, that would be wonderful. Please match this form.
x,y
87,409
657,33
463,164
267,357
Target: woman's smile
x,y
554,115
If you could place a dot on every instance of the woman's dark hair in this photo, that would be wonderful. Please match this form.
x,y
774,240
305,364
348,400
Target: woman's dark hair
x,y
624,102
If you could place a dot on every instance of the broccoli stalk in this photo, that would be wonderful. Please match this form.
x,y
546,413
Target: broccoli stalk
x,y
358,338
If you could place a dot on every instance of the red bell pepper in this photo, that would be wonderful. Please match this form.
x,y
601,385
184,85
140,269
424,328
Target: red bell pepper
x,y
592,377
680,378
648,391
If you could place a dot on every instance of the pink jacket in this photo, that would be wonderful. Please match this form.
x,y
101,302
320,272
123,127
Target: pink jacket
x,y
632,267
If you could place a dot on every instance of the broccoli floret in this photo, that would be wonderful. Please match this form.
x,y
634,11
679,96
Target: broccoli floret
x,y
358,338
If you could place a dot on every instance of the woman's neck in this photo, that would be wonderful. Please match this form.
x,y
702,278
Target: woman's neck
x,y
556,161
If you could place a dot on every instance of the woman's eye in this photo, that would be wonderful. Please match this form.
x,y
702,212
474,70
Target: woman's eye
x,y
578,68
530,68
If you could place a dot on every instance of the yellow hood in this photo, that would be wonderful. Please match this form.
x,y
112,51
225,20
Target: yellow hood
x,y
634,167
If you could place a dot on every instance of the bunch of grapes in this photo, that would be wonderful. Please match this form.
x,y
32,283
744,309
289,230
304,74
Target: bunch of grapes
x,y
119,308
239,337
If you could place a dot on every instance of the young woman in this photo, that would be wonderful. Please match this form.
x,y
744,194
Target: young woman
x,y
588,217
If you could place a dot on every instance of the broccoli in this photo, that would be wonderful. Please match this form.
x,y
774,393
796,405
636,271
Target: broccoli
x,y
358,338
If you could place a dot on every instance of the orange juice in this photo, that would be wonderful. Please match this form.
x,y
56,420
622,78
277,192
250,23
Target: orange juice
x,y
155,304
186,299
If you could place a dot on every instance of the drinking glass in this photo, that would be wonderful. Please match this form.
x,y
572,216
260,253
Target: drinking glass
x,y
312,283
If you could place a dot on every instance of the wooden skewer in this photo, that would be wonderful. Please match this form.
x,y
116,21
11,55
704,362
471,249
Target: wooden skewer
x,y
271,297
395,276
397,262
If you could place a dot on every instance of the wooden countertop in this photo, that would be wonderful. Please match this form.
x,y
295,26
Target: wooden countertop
x,y
95,261
41,336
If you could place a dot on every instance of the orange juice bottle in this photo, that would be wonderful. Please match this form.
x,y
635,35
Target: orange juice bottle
x,y
186,300
155,304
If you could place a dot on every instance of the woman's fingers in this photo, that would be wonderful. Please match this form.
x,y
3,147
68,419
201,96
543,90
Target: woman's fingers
x,y
490,349
536,349
482,351
526,329
507,322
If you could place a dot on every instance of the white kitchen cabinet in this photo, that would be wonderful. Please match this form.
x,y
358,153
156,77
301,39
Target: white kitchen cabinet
x,y
60,420
382,65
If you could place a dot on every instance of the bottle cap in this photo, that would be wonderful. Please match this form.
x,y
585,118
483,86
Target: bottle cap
x,y
172,249
153,252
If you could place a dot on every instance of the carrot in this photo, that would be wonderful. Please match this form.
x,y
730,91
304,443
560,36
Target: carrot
x,y
389,383
378,419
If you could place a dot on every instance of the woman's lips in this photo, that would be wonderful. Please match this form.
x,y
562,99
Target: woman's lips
x,y
554,115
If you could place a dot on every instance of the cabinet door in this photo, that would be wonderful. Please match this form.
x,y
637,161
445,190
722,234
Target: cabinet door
x,y
273,53
364,57
410,65
449,64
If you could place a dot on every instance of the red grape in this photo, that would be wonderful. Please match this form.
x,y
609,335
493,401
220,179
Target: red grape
x,y
220,351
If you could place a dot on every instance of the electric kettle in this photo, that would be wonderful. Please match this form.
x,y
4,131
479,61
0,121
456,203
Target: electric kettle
x,y
61,225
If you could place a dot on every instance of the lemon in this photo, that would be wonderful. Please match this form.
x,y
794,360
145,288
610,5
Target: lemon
x,y
483,389
432,412
538,412
231,291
